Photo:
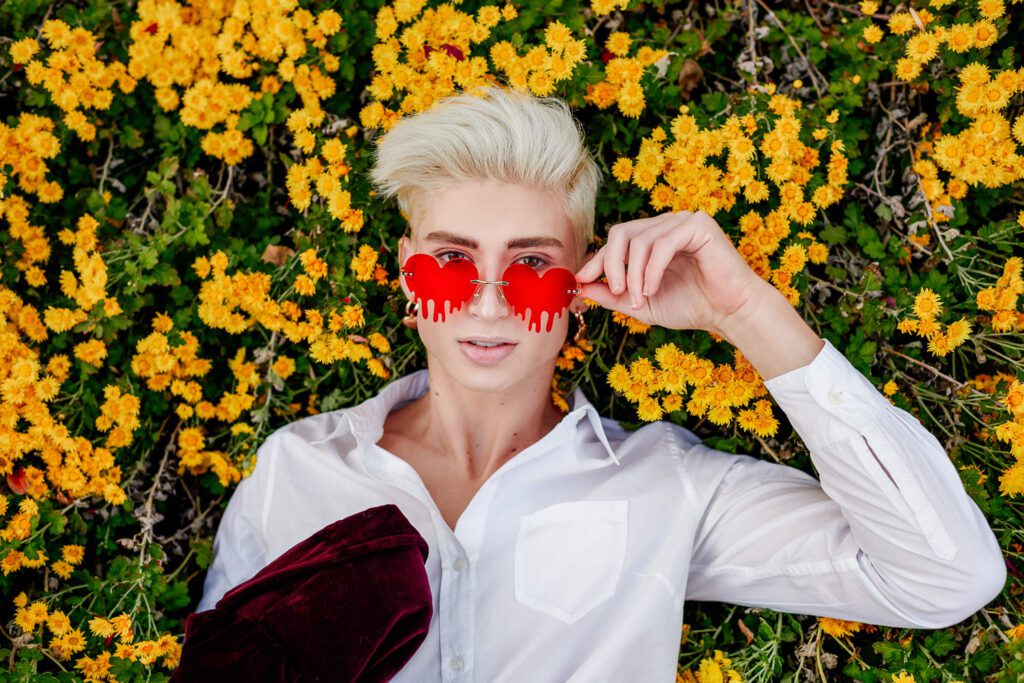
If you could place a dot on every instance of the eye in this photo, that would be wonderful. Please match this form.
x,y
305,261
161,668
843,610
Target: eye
x,y
540,262
441,255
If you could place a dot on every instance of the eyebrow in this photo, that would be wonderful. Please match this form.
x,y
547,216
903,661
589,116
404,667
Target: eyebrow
x,y
516,243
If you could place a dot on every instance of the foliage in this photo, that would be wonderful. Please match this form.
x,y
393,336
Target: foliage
x,y
192,256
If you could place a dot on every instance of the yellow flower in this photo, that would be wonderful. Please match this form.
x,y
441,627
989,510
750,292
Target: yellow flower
x,y
304,285
618,378
283,367
73,554
838,628
927,304
890,388
22,50
991,9
907,69
375,366
923,47
379,342
364,262
958,332
622,169
191,439
817,253
869,7
556,35
985,33
352,316
618,43
901,23
873,34
649,409
92,352
100,627
59,623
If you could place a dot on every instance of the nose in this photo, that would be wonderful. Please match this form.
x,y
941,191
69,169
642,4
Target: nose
x,y
489,298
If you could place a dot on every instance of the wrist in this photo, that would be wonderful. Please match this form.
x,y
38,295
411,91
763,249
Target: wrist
x,y
771,334
762,295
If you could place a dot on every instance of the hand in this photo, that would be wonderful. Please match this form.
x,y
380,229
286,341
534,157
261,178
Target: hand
x,y
692,274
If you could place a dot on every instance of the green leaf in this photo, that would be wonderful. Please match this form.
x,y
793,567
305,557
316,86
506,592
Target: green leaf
x,y
833,234
940,643
259,134
891,652
203,548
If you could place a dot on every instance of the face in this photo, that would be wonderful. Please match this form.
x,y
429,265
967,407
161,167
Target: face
x,y
476,221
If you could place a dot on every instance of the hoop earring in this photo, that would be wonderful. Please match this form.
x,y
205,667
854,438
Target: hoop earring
x,y
412,310
582,325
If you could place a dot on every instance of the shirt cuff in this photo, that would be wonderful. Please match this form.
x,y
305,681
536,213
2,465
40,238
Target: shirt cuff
x,y
828,399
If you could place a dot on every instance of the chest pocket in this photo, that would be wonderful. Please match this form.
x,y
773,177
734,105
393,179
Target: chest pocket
x,y
569,556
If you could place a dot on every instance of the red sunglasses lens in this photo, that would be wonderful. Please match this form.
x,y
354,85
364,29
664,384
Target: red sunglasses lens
x,y
430,281
528,293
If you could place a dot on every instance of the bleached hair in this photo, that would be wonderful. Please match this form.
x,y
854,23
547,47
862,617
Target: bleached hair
x,y
491,133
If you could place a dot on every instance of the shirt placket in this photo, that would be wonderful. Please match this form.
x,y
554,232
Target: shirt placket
x,y
456,595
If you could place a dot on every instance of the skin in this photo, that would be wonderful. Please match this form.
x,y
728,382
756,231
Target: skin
x,y
475,418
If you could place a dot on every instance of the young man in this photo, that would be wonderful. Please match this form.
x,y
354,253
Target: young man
x,y
562,547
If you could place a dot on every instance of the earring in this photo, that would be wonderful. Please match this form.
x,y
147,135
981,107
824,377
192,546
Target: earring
x,y
412,310
582,325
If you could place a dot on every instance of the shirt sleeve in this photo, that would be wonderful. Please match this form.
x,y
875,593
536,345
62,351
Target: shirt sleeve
x,y
888,536
240,546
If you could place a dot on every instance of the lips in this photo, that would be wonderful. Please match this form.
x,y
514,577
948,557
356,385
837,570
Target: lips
x,y
488,340
484,355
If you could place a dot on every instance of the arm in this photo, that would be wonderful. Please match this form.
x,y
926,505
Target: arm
x,y
240,547
888,536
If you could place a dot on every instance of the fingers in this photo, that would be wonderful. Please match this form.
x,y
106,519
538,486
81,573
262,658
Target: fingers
x,y
599,292
640,245
662,254
663,251
639,252
616,252
592,268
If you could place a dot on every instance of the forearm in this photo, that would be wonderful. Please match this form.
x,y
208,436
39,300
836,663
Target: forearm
x,y
771,334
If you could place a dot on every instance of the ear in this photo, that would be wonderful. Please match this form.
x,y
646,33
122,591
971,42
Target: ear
x,y
404,251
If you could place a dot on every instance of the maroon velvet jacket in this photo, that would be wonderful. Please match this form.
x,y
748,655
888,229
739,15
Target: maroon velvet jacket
x,y
350,603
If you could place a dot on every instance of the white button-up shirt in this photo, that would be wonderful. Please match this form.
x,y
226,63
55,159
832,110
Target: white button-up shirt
x,y
574,560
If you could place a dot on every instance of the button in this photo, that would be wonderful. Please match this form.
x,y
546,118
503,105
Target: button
x,y
835,396
457,663
459,564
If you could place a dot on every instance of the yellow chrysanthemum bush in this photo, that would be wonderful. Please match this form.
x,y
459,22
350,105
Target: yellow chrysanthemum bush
x,y
191,256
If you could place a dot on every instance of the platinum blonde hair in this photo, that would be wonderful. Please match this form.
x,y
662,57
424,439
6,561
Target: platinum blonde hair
x,y
491,133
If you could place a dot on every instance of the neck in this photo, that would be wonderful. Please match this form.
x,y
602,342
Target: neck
x,y
475,431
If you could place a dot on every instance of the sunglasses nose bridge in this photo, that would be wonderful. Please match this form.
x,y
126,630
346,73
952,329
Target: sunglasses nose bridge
x,y
499,287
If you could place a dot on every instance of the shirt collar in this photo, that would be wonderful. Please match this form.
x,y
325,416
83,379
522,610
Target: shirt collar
x,y
367,418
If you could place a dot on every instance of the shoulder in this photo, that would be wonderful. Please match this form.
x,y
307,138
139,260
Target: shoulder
x,y
314,429
698,462
307,435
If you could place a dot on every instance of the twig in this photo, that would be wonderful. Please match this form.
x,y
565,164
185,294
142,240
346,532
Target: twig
x,y
811,69
106,164
937,372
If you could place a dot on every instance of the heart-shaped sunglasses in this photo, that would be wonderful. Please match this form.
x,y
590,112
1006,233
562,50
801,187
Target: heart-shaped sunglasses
x,y
527,292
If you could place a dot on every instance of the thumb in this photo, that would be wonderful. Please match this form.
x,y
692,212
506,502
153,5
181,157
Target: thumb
x,y
602,294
